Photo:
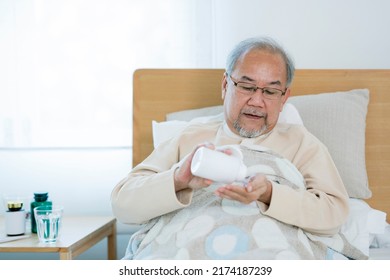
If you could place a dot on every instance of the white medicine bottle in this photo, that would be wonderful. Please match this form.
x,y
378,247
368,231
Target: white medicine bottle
x,y
218,166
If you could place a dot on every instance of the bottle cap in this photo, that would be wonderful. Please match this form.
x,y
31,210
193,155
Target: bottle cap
x,y
14,205
41,196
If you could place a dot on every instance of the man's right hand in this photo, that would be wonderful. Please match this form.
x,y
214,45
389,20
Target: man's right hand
x,y
183,177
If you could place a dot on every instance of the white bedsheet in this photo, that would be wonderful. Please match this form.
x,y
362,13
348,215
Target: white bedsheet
x,y
379,254
380,245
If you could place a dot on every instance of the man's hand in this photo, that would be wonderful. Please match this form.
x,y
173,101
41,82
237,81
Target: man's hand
x,y
183,177
258,188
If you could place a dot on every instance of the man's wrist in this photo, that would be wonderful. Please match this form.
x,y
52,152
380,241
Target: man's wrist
x,y
267,195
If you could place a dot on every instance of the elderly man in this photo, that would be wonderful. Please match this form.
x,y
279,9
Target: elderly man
x,y
255,88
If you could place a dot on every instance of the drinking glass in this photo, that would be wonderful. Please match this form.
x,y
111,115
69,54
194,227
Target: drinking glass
x,y
48,219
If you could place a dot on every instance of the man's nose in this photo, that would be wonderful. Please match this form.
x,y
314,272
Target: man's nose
x,y
257,98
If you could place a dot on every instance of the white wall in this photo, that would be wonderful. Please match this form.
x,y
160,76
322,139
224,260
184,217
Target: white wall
x,y
318,34
79,179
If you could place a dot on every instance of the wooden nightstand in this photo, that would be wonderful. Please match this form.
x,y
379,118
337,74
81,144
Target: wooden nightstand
x,y
78,234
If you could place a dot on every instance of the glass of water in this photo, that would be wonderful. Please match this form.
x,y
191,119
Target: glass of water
x,y
48,219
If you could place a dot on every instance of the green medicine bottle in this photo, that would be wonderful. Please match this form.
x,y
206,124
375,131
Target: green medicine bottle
x,y
40,199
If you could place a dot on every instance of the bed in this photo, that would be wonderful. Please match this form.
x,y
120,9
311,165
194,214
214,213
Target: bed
x,y
352,121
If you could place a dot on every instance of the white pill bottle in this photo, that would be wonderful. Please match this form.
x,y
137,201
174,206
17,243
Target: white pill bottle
x,y
218,166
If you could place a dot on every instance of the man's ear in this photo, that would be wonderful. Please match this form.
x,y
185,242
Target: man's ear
x,y
224,86
285,96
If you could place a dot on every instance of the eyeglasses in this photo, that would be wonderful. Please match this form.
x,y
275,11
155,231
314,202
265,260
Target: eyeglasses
x,y
250,89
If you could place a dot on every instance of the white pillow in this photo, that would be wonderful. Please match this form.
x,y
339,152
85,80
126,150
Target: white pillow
x,y
163,131
338,119
188,115
177,121
290,114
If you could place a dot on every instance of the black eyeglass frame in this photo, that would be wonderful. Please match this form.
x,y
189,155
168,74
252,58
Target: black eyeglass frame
x,y
255,88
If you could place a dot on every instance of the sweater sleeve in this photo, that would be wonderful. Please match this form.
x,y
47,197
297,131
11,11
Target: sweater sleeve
x,y
148,190
137,199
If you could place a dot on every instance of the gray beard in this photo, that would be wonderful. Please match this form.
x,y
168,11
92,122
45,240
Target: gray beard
x,y
249,133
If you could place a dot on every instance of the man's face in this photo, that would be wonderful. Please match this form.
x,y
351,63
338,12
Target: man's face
x,y
254,115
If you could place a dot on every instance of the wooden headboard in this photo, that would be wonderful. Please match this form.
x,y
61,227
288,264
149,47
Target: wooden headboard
x,y
157,92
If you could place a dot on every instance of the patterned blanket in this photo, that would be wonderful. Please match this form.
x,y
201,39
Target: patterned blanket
x,y
215,228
